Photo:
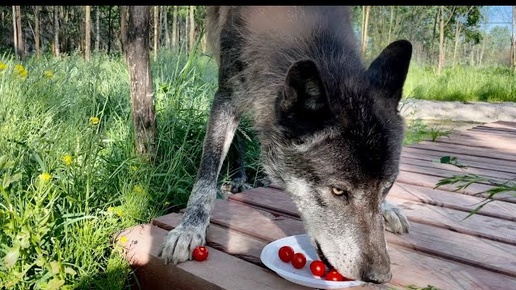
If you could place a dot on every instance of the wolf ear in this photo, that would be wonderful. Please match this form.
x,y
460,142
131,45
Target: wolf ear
x,y
303,105
389,70
303,89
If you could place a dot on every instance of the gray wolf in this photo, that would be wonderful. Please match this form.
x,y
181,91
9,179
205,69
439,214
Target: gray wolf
x,y
329,129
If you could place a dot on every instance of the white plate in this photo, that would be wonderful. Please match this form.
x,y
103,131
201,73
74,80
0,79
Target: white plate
x,y
303,276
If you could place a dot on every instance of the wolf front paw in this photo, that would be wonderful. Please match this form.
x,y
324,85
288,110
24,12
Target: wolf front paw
x,y
395,221
180,242
235,186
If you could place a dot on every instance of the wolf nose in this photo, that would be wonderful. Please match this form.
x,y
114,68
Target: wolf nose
x,y
376,277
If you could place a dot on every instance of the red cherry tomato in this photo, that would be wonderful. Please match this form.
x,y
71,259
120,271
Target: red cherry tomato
x,y
200,253
299,260
333,275
318,268
286,253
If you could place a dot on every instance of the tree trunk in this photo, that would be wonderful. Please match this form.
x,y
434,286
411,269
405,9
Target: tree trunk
x,y
204,43
432,53
97,29
192,27
165,24
365,24
65,41
37,33
183,38
137,47
109,30
156,36
391,19
456,44
87,33
56,31
482,51
513,39
15,34
174,27
19,45
380,29
124,10
440,61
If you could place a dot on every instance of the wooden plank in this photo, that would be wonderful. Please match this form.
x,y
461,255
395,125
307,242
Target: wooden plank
x,y
223,239
248,219
477,225
497,209
448,170
421,270
504,131
470,161
502,124
496,126
479,139
481,253
464,149
272,199
430,181
471,256
458,247
408,267
232,242
220,271
498,230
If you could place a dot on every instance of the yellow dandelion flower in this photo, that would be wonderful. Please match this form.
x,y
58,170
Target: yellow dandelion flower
x,y
138,189
111,209
45,177
3,66
123,239
94,120
119,212
20,70
67,159
48,74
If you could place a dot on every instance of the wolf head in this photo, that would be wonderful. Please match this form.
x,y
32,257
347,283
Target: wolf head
x,y
341,143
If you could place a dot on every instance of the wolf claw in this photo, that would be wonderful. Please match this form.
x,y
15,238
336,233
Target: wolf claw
x,y
395,221
180,242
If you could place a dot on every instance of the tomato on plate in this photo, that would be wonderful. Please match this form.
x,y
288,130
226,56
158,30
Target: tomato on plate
x,y
333,275
200,253
298,260
286,253
318,268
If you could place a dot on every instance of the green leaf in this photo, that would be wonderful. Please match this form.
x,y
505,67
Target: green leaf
x,y
16,177
3,161
11,257
55,284
446,159
54,268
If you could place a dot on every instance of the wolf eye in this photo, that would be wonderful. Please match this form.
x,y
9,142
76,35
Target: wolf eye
x,y
337,191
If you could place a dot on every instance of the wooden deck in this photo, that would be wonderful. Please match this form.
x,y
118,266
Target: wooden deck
x,y
441,250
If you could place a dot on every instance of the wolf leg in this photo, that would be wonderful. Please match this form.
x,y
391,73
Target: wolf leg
x,y
236,155
395,221
191,232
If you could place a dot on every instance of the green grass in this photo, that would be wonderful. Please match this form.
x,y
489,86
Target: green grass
x,y
417,130
491,84
68,183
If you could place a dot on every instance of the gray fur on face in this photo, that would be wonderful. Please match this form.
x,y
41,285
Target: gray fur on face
x,y
324,121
